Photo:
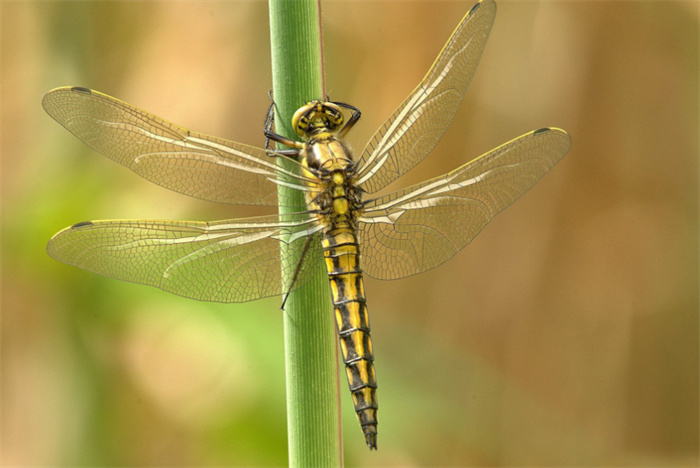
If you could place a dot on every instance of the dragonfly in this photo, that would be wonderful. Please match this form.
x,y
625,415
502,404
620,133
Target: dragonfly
x,y
344,226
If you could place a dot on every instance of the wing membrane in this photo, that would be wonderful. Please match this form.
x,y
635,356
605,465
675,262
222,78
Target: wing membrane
x,y
223,261
417,125
418,228
171,156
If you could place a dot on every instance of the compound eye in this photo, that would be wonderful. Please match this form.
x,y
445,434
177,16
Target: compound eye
x,y
334,116
317,115
301,121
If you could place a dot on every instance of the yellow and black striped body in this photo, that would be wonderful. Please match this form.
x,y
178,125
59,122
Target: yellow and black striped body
x,y
336,200
341,253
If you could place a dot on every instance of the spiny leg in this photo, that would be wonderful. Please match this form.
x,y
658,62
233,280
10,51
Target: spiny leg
x,y
296,271
271,135
356,114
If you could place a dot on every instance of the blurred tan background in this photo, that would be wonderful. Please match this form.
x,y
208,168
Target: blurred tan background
x,y
565,335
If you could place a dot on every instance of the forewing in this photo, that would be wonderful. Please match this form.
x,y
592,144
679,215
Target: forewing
x,y
224,261
416,229
417,125
171,156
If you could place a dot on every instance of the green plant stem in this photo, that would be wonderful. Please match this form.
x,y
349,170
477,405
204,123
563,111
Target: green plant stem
x,y
313,408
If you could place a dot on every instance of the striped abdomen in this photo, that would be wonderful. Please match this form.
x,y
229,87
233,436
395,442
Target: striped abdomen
x,y
341,252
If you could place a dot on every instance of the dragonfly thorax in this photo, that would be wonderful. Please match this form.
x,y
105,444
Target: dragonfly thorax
x,y
332,174
317,117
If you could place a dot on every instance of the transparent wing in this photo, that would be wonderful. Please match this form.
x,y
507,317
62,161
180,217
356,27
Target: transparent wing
x,y
417,125
173,157
418,228
223,261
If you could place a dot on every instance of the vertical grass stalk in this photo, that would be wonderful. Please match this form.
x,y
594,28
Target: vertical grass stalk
x,y
313,418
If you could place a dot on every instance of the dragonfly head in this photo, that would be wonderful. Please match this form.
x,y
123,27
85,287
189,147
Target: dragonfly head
x,y
317,116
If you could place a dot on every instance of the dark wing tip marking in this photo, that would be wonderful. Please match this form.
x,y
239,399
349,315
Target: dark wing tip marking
x,y
81,225
80,89
478,5
554,131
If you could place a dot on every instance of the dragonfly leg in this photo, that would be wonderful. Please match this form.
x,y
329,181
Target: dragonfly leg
x,y
289,154
271,135
356,114
296,271
269,120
